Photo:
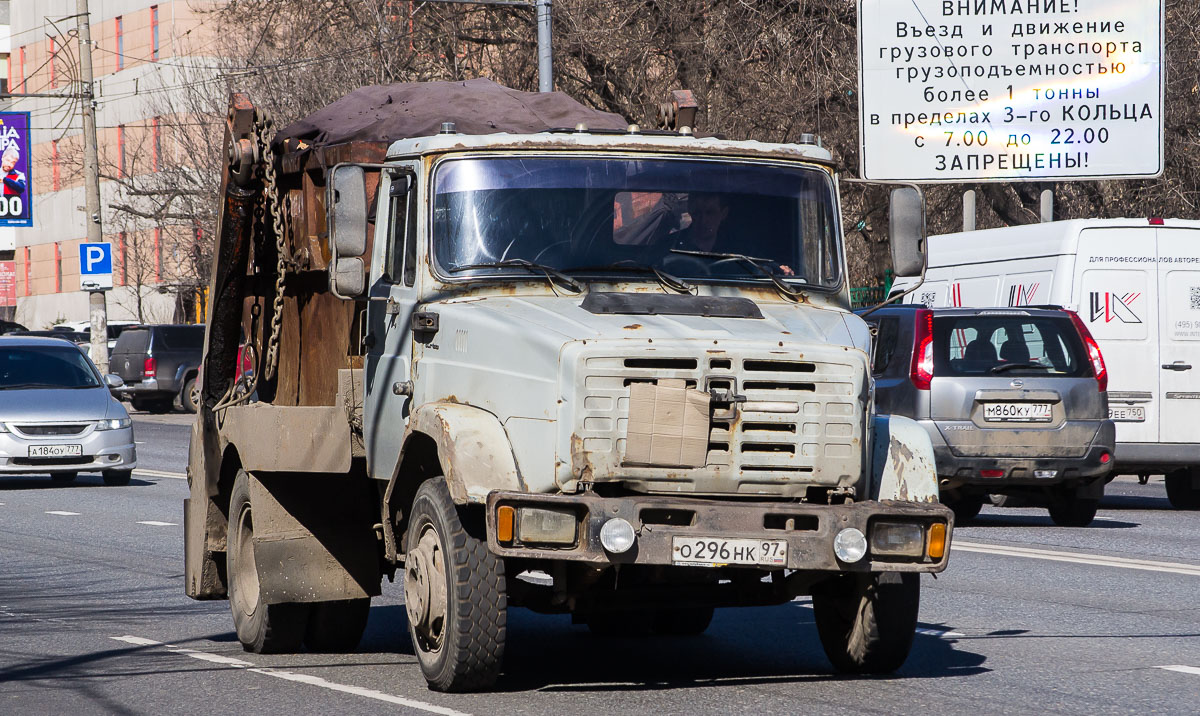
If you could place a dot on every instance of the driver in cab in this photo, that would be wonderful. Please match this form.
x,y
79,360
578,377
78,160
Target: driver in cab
x,y
709,228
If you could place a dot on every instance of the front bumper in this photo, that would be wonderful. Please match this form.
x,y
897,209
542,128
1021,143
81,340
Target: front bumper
x,y
956,471
809,529
102,450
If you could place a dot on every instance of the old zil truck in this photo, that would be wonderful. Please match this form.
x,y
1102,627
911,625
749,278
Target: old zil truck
x,y
517,352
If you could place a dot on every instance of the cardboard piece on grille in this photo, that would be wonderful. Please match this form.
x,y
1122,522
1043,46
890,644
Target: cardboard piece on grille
x,y
668,425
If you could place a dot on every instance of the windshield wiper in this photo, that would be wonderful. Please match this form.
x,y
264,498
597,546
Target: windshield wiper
x,y
1013,366
552,274
761,265
668,281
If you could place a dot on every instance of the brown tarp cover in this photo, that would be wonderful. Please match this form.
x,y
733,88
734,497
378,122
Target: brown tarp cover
x,y
386,113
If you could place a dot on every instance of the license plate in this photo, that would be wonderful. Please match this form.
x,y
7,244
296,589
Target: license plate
x,y
715,552
1016,412
55,450
1127,414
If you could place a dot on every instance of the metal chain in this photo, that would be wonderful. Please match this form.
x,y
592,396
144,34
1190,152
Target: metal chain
x,y
266,135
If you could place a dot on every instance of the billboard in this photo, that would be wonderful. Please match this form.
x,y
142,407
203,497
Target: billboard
x,y
8,283
16,163
1010,90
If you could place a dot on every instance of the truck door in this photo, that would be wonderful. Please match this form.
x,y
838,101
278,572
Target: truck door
x,y
393,297
1117,295
1178,364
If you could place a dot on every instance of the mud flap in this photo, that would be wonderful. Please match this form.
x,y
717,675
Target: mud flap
x,y
314,538
902,464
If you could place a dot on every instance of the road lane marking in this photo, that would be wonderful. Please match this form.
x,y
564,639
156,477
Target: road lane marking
x,y
156,523
63,513
292,676
1194,670
1097,560
160,473
939,632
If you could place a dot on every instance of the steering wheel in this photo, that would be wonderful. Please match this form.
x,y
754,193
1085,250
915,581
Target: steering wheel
x,y
537,258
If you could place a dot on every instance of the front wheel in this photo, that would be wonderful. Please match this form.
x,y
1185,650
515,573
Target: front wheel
x,y
454,593
1183,489
261,628
866,621
117,478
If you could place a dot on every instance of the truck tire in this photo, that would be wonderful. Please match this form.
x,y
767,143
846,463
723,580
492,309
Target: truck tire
x,y
261,628
337,627
866,621
454,593
685,621
1070,511
189,397
1180,492
965,507
117,478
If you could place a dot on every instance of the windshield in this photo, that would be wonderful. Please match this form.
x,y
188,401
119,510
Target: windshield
x,y
588,215
45,367
1016,345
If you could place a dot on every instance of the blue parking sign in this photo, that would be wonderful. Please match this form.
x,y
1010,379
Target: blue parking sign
x,y
95,265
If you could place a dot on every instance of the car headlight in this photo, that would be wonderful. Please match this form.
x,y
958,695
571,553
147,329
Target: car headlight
x,y
113,423
3,428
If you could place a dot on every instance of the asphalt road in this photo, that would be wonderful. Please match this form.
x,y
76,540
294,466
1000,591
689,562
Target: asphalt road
x,y
1029,618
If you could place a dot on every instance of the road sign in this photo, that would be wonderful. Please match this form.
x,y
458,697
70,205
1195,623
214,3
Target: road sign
x,y
95,266
1010,90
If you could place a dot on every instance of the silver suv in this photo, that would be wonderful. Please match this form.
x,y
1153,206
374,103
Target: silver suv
x,y
1013,399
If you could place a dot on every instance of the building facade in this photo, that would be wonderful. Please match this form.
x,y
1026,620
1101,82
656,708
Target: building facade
x,y
144,54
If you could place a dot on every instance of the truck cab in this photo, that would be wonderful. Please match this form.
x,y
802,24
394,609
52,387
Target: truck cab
x,y
606,373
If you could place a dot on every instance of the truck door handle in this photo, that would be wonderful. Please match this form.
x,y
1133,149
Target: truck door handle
x,y
1177,365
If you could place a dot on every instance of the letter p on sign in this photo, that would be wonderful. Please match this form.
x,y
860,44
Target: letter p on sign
x,y
95,266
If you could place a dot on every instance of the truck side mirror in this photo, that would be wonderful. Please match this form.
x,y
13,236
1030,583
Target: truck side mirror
x,y
906,230
347,202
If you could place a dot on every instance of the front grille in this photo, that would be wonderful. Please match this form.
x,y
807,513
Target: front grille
x,y
800,420
59,429
50,461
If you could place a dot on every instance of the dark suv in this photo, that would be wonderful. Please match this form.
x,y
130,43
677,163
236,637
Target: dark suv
x,y
1013,399
158,364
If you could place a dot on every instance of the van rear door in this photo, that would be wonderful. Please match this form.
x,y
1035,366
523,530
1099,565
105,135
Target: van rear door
x,y
1117,296
1179,361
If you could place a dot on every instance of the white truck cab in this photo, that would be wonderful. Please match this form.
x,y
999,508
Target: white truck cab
x,y
1136,285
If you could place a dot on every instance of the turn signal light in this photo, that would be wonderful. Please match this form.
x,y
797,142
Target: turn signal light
x,y
505,518
937,540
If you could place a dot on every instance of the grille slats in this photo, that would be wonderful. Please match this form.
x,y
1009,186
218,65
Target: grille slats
x,y
58,429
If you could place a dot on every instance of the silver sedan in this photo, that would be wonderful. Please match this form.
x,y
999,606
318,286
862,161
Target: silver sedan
x,y
57,415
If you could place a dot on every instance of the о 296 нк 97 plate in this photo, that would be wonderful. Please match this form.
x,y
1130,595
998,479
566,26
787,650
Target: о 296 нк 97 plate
x,y
713,552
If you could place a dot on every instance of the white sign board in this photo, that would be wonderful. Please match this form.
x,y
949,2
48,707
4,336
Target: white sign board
x,y
95,266
1010,90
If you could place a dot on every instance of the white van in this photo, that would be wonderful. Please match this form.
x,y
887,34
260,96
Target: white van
x,y
1136,285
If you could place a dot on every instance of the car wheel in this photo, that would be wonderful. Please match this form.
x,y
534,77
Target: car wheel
x,y
1183,493
337,627
63,476
866,621
261,628
454,593
189,397
1071,511
965,507
116,478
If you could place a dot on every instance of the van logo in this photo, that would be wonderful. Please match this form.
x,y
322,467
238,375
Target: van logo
x,y
1020,294
1110,306
1017,383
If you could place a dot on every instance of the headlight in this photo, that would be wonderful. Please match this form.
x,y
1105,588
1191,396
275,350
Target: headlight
x,y
113,424
3,428
617,535
899,539
850,545
539,526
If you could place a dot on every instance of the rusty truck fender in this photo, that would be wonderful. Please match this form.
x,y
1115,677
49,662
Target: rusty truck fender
x,y
902,465
474,450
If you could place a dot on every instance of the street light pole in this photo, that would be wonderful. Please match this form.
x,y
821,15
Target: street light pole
x,y
91,182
